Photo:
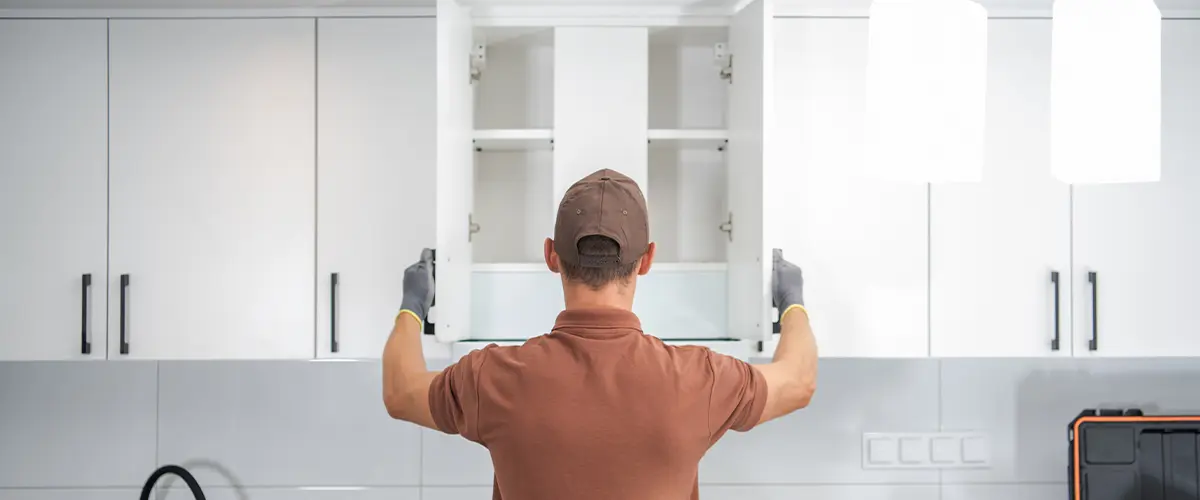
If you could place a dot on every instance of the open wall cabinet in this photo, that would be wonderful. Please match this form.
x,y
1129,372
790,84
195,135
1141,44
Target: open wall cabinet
x,y
524,111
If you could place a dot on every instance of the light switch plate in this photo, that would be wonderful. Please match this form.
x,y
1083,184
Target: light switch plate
x,y
928,450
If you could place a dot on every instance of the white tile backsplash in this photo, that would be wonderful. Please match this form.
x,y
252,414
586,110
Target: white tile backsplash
x,y
1026,406
1004,491
450,460
76,424
317,430
459,493
821,492
226,493
823,443
69,494
284,424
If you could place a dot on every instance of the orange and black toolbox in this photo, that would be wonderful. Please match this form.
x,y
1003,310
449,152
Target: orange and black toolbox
x,y
1126,455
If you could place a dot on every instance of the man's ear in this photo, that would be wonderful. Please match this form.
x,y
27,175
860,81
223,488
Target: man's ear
x,y
551,256
646,261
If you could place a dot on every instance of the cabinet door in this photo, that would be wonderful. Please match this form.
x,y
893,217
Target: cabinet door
x,y
53,195
455,182
212,188
996,245
375,174
750,101
1142,240
861,243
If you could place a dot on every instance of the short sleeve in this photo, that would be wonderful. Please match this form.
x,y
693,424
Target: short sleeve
x,y
739,394
454,396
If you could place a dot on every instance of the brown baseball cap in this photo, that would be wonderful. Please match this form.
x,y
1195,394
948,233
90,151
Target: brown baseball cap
x,y
605,203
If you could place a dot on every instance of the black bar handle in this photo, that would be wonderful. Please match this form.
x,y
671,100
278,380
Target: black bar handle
x,y
1092,343
124,319
333,309
86,347
429,326
1054,344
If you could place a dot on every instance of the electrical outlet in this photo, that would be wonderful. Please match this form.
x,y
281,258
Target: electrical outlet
x,y
929,450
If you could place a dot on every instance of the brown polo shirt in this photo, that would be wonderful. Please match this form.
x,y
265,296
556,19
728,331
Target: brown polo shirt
x,y
596,410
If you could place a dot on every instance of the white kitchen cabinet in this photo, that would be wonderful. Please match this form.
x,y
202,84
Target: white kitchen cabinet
x,y
1000,249
375,177
212,188
53,195
862,243
695,141
1136,245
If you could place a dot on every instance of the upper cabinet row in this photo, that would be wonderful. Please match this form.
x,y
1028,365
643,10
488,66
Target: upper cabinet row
x,y
171,197
254,188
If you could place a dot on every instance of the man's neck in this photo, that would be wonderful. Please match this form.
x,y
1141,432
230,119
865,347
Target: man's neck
x,y
582,297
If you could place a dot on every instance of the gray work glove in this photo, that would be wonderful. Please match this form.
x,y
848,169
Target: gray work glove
x,y
787,284
418,286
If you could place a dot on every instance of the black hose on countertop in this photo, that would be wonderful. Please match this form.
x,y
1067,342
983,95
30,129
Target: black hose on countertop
x,y
197,493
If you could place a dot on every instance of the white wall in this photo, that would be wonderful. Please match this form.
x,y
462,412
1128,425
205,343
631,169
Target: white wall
x,y
264,430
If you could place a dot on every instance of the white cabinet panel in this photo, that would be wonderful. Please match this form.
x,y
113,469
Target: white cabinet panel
x,y
1142,240
455,179
212,187
862,243
995,244
601,99
376,154
53,192
750,166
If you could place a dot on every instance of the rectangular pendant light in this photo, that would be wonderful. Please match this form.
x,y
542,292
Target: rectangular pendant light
x,y
926,90
1106,91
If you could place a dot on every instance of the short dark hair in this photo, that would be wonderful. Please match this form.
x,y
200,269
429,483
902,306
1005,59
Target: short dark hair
x,y
596,277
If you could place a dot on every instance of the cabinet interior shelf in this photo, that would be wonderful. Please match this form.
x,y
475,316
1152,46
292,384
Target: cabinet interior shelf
x,y
527,139
688,138
518,139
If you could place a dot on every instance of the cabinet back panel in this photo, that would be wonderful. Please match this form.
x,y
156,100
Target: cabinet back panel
x,y
686,91
512,205
689,204
516,89
690,198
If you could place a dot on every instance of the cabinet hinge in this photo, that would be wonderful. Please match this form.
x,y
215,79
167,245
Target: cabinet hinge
x,y
477,60
727,226
724,62
472,226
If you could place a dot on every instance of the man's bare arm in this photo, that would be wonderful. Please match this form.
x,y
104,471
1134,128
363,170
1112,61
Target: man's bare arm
x,y
792,375
405,378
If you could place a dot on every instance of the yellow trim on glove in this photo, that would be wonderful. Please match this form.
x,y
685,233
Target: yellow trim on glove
x,y
420,324
789,309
